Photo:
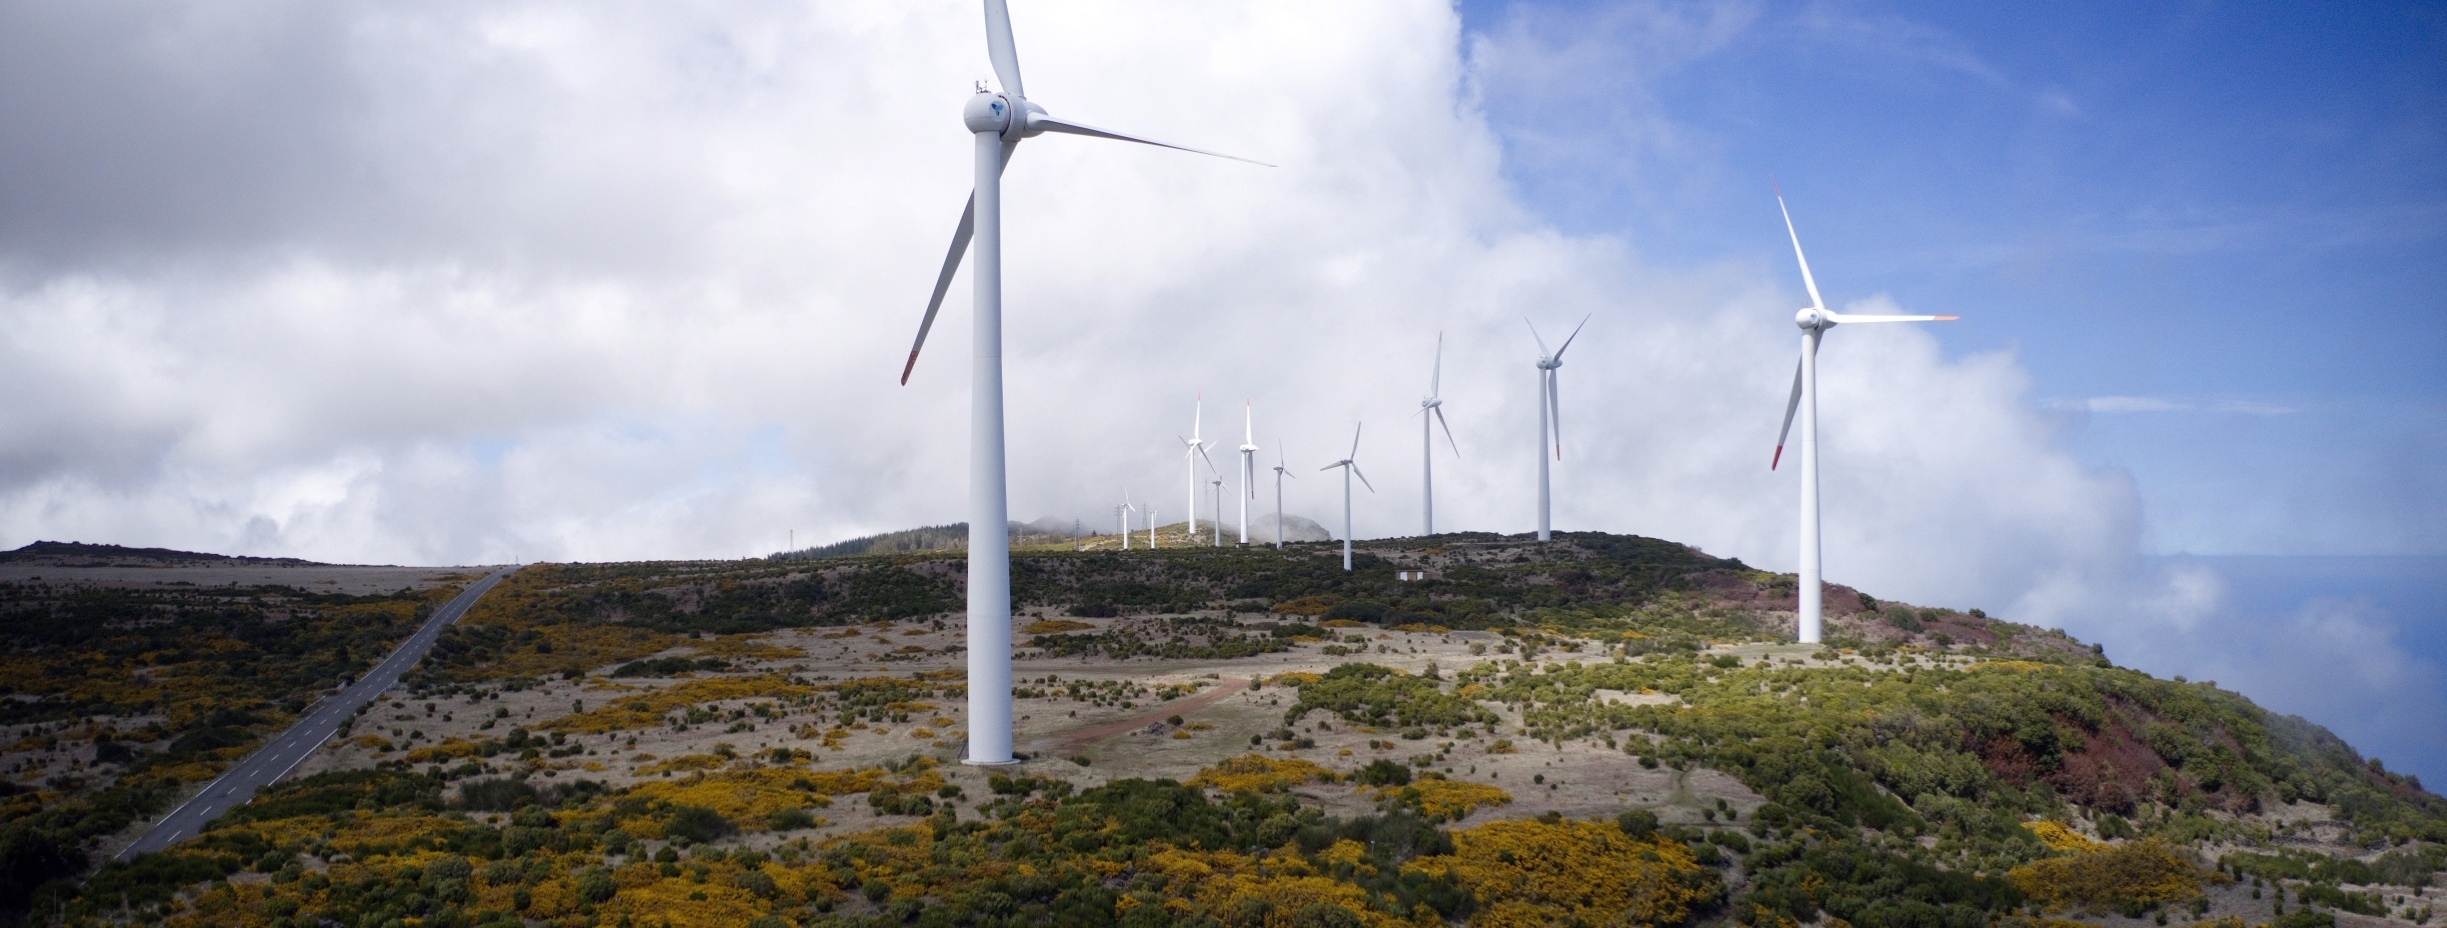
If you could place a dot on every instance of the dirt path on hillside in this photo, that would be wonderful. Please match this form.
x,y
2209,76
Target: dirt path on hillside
x,y
1080,740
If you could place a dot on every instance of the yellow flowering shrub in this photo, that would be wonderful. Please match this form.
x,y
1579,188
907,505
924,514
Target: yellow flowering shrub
x,y
1252,773
684,764
1532,874
746,797
448,749
2060,838
2141,873
646,710
1054,626
2024,666
1444,800
744,646
1225,883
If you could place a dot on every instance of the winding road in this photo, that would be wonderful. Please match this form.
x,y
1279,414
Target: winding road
x,y
274,760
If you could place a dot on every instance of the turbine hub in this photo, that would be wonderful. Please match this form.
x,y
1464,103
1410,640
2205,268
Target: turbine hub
x,y
1548,364
1810,318
988,111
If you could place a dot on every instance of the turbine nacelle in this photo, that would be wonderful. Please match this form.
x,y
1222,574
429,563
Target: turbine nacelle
x,y
1549,363
1812,318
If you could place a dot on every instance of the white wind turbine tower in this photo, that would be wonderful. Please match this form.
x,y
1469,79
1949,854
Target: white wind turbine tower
x,y
1350,468
1248,467
999,120
1218,523
1193,448
1431,406
1814,321
1279,473
1124,510
1550,411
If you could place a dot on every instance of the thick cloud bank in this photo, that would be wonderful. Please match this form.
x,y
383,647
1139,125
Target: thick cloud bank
x,y
461,282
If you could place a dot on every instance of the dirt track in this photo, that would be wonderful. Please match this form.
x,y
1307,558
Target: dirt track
x,y
1083,739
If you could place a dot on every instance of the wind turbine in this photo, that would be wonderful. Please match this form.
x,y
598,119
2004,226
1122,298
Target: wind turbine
x,y
1218,523
1350,467
1151,528
1431,406
1550,409
1814,321
1248,467
1279,473
999,120
1124,510
1193,448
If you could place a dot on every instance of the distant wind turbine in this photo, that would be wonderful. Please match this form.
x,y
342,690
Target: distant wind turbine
x,y
1248,467
1814,321
1124,510
1550,410
1350,468
1279,473
999,120
1432,407
1193,448
1218,523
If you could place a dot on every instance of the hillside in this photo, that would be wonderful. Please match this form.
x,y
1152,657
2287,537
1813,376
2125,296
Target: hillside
x,y
80,554
1599,730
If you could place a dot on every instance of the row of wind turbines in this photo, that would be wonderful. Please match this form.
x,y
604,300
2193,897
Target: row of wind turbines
x,y
1431,417
999,119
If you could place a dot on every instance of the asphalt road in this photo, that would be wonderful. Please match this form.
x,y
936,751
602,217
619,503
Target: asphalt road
x,y
274,760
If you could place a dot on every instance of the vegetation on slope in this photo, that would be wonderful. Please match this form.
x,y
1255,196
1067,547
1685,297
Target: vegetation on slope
x,y
1931,767
116,698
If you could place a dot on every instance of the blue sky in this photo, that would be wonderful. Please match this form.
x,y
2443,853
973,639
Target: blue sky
x,y
2215,235
2230,220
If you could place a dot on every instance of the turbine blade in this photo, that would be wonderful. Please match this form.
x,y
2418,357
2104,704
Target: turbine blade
x,y
943,282
1000,47
1355,441
1806,279
1791,403
1041,122
1435,380
1567,342
951,266
1554,406
1533,333
1248,423
1363,477
1448,432
1848,320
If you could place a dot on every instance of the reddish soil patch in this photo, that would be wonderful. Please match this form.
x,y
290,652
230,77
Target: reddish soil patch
x,y
1080,740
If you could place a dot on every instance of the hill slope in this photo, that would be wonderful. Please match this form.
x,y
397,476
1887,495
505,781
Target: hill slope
x,y
1603,730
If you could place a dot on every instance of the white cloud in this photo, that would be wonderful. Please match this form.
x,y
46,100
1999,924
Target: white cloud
x,y
607,250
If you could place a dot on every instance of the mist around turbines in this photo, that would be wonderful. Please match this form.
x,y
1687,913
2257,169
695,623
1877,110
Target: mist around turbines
x,y
999,118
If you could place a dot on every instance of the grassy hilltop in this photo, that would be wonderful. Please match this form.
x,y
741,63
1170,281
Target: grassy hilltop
x,y
1602,730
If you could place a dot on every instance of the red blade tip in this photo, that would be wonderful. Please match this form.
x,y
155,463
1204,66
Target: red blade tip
x,y
1778,459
